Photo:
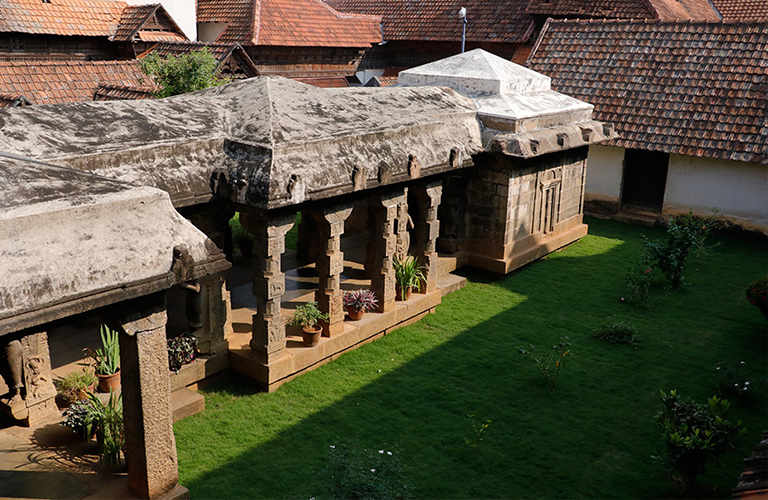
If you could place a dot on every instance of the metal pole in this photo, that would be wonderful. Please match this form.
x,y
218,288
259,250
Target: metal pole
x,y
463,35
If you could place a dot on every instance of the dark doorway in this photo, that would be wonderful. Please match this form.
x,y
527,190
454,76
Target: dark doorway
x,y
645,177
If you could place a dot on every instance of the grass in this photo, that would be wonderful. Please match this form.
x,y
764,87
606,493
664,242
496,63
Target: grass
x,y
413,390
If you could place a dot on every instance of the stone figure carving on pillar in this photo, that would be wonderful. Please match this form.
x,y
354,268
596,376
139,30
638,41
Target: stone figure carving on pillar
x,y
12,372
26,370
182,267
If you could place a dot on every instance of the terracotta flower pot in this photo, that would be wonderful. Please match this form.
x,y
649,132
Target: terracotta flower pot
x,y
82,393
109,383
311,336
355,314
399,293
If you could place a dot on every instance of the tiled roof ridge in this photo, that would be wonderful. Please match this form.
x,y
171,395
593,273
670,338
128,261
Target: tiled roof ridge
x,y
256,23
653,21
138,88
349,16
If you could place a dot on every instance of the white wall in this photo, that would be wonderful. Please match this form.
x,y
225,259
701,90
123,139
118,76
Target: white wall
x,y
182,12
738,190
604,171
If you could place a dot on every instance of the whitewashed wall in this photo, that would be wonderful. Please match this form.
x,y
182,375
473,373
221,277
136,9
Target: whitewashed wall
x,y
737,190
604,171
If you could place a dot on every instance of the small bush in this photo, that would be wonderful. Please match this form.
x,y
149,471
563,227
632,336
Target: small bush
x,y
757,295
617,332
78,418
375,475
638,283
733,379
75,383
698,229
551,363
694,436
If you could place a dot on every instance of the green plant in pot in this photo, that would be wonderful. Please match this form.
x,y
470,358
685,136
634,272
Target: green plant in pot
x,y
308,316
106,360
107,420
76,385
408,275
358,302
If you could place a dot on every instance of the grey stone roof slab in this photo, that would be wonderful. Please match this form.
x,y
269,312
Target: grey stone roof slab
x,y
272,142
73,241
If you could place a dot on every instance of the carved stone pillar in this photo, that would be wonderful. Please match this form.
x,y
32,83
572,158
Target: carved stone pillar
x,y
427,231
403,225
216,315
330,265
268,281
383,243
146,389
32,394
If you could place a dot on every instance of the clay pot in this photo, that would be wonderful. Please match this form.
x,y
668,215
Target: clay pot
x,y
399,294
82,393
109,383
355,314
311,336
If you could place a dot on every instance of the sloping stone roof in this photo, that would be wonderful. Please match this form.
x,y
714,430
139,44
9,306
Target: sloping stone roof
x,y
696,89
521,115
59,82
289,23
73,241
742,10
438,20
276,142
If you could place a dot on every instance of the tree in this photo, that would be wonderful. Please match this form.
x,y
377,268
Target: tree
x,y
183,73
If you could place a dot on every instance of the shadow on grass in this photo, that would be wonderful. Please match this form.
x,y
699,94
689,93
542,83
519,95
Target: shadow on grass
x,y
413,390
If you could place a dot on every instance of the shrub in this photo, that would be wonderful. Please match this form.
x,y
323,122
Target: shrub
x,y
733,379
77,418
181,351
698,229
694,436
183,73
670,257
351,475
107,419
551,364
757,295
638,283
617,332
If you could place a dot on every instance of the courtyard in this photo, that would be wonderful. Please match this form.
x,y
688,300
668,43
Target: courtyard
x,y
411,392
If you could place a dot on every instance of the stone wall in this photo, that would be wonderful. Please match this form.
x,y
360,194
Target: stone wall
x,y
515,205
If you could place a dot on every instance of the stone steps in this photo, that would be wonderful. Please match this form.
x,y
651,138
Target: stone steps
x,y
186,402
450,283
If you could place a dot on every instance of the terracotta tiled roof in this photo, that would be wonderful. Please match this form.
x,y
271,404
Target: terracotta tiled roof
x,y
623,9
61,17
293,23
131,20
136,17
106,92
696,89
438,20
9,101
743,10
46,82
666,10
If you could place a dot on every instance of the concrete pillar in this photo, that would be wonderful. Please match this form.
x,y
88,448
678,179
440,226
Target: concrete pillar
x,y
150,447
427,231
268,281
216,315
330,265
383,244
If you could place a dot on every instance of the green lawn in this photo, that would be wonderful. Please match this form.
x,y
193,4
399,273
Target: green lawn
x,y
412,390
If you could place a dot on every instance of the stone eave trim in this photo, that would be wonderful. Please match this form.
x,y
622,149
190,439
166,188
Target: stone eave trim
x,y
550,140
99,298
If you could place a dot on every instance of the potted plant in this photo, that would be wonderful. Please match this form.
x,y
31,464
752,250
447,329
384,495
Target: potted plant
x,y
408,275
308,315
181,351
358,302
76,385
107,420
106,360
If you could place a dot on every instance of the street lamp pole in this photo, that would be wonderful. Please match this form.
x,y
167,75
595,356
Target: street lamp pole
x,y
463,17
